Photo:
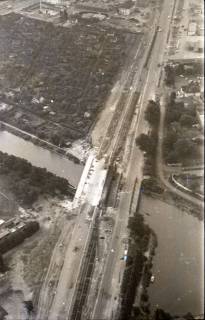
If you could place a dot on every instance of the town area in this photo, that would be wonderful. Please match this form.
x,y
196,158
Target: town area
x,y
101,159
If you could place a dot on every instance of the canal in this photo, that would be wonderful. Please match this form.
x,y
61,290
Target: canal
x,y
178,261
40,157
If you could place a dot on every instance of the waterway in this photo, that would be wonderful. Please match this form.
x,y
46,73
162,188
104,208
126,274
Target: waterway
x,y
178,262
40,157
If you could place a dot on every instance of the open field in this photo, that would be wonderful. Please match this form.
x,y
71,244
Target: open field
x,y
54,80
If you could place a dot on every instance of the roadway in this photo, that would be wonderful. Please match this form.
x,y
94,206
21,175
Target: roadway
x,y
110,286
160,163
56,302
61,304
53,300
160,170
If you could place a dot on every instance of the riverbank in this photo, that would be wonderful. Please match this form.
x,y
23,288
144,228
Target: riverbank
x,y
38,142
27,182
40,157
164,265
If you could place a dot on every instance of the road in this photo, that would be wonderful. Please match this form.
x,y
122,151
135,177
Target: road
x,y
56,302
105,308
110,285
160,170
53,300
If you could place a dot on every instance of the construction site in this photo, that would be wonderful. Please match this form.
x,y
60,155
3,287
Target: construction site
x,y
76,80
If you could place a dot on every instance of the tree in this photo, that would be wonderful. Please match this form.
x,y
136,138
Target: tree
x,y
146,143
173,97
194,185
170,139
151,185
2,266
162,315
152,112
172,115
55,138
189,316
186,120
170,75
135,224
29,306
191,111
172,157
184,148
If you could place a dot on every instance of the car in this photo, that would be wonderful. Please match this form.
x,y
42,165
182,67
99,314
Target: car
x,y
152,278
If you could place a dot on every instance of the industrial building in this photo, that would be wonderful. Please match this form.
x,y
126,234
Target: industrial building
x,y
14,231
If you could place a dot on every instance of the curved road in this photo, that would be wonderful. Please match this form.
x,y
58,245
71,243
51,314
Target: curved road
x,y
160,171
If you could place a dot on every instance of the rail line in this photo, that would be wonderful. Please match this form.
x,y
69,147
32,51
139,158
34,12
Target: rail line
x,y
85,275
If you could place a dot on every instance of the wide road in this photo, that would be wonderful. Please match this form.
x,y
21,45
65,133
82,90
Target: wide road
x,y
105,307
53,299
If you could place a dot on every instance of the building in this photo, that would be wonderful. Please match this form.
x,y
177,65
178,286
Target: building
x,y
200,117
14,232
192,29
54,1
127,8
124,11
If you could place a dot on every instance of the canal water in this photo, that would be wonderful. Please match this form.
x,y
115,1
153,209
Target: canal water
x,y
178,262
41,157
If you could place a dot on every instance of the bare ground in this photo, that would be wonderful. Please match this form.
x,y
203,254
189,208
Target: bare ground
x,y
28,262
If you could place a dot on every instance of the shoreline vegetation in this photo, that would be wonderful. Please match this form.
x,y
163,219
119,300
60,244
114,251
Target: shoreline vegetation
x,y
137,277
27,182
137,273
148,144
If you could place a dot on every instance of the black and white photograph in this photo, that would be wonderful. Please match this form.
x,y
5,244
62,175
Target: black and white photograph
x,y
101,160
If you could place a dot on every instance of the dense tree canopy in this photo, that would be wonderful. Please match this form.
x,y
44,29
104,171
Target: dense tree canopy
x,y
28,182
184,147
146,143
152,113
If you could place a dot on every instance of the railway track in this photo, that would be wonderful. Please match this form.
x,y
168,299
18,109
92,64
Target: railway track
x,y
85,277
118,126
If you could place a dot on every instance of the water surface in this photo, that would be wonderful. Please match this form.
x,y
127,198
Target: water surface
x,y
178,263
41,157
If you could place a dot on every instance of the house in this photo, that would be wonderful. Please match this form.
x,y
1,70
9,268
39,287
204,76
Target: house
x,y
200,117
127,8
192,29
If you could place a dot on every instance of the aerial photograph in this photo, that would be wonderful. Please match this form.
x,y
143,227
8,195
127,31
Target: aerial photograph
x,y
101,159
